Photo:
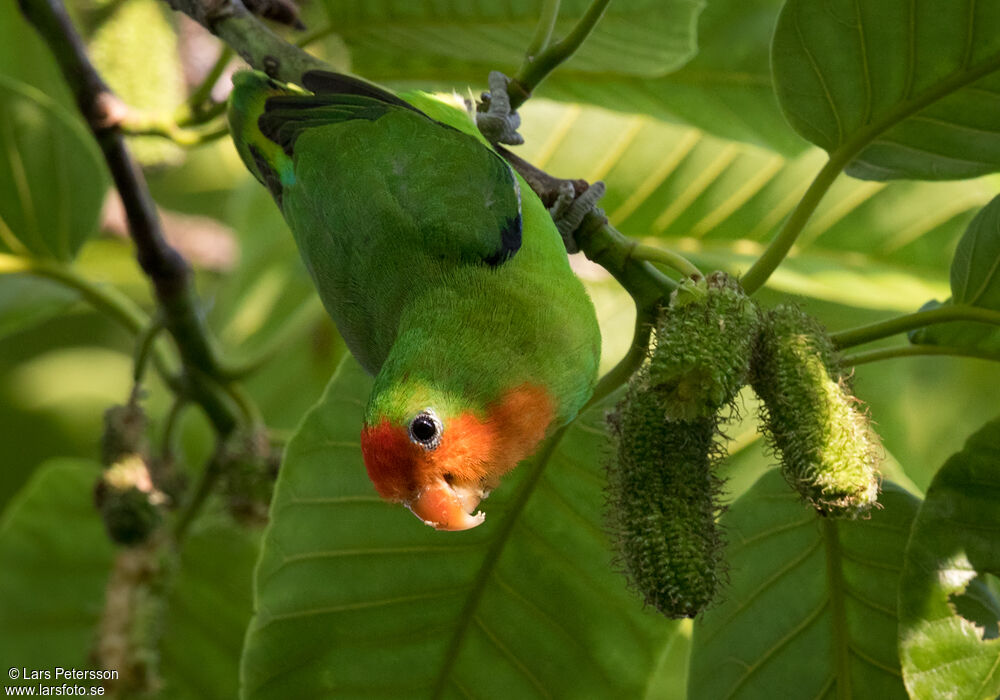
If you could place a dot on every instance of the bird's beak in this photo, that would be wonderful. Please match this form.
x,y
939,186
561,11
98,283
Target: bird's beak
x,y
446,506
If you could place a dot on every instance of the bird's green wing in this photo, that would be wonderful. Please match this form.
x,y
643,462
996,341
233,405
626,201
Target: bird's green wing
x,y
461,197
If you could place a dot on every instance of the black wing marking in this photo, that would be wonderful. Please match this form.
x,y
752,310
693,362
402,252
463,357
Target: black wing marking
x,y
326,83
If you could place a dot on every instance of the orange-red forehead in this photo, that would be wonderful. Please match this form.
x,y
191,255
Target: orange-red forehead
x,y
390,459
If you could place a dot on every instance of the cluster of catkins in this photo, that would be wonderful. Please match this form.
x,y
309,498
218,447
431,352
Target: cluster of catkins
x,y
127,496
136,489
663,494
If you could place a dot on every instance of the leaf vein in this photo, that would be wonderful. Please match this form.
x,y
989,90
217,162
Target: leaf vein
x,y
518,664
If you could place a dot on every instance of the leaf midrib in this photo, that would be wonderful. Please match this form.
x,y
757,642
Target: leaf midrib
x,y
492,558
838,609
846,151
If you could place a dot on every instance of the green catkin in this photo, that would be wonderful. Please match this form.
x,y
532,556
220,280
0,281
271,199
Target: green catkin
x,y
820,431
703,344
662,503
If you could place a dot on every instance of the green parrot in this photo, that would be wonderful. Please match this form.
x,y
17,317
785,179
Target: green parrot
x,y
443,272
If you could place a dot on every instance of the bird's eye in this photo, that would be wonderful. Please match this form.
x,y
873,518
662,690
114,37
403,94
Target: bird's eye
x,y
425,430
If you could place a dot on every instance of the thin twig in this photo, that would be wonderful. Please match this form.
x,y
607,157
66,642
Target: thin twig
x,y
106,299
778,248
207,479
860,358
170,426
194,110
143,348
626,367
901,324
537,68
543,31
138,124
662,256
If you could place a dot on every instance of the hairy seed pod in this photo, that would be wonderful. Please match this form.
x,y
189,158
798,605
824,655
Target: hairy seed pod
x,y
124,432
249,470
662,503
130,505
702,348
820,431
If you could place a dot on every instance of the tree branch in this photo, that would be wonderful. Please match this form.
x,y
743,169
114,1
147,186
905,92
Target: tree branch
x,y
166,269
232,22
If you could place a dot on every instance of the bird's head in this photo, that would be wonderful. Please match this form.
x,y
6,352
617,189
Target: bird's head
x,y
440,456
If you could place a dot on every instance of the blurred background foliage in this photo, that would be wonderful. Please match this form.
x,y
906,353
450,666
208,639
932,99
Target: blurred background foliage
x,y
685,131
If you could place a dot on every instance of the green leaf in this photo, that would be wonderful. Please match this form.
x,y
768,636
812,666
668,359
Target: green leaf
x,y
869,244
725,89
955,535
975,281
25,301
811,607
895,88
975,269
209,607
635,37
52,176
25,57
54,563
356,598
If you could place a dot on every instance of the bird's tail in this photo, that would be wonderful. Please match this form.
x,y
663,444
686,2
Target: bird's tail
x,y
263,157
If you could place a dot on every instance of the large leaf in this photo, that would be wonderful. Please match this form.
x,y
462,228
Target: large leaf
x,y
635,37
25,301
975,281
869,244
955,535
725,89
975,269
25,57
901,89
52,177
54,563
208,610
811,607
356,598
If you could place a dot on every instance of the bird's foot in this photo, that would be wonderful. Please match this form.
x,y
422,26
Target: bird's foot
x,y
494,117
570,208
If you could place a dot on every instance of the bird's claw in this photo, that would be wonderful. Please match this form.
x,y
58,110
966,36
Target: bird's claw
x,y
494,117
570,208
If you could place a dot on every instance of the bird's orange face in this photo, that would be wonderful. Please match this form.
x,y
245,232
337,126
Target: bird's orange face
x,y
442,467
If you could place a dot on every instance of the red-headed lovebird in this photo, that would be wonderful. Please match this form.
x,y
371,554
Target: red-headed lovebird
x,y
443,272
